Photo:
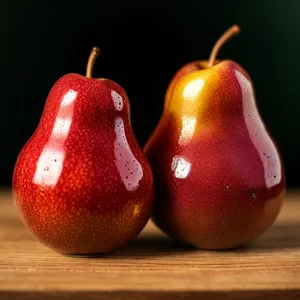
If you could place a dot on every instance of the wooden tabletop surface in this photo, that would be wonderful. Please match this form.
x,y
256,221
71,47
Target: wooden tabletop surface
x,y
153,267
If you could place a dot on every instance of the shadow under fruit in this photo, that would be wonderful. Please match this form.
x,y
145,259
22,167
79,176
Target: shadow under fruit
x,y
81,183
219,178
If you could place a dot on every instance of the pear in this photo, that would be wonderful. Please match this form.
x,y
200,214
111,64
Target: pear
x,y
82,183
218,174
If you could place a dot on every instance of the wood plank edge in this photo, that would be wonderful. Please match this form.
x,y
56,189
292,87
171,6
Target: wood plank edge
x,y
288,294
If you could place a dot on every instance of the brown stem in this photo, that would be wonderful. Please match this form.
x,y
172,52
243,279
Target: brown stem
x,y
94,54
232,31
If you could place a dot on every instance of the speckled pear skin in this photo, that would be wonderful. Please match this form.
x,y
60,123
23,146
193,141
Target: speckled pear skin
x,y
82,183
218,175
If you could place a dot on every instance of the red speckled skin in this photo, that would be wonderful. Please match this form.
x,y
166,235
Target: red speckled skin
x,y
81,183
218,175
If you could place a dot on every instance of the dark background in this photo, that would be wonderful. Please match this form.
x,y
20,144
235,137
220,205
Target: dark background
x,y
143,43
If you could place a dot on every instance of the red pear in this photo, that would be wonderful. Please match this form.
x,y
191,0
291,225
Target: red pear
x,y
218,174
82,183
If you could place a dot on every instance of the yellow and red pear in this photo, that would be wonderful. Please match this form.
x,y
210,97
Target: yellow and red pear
x,y
218,174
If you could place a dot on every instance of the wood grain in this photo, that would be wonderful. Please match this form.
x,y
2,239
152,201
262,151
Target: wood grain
x,y
153,266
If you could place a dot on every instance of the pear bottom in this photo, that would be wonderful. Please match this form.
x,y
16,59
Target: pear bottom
x,y
218,228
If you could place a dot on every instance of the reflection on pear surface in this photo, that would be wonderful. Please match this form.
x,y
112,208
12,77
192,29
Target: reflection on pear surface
x,y
258,134
130,169
50,163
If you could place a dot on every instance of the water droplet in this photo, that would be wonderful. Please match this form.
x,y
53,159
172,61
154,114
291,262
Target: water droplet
x,y
227,186
253,195
46,168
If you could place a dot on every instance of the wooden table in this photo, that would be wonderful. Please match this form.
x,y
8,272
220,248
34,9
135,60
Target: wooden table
x,y
152,267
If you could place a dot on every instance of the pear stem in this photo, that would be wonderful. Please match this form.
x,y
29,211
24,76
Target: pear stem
x,y
231,32
94,54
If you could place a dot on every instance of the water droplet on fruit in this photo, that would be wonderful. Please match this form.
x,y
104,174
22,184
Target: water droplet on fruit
x,y
253,195
227,186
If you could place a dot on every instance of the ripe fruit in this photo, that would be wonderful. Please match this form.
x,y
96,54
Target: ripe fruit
x,y
219,178
82,183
